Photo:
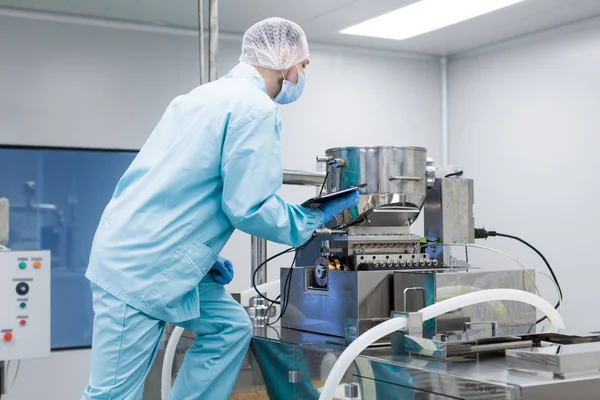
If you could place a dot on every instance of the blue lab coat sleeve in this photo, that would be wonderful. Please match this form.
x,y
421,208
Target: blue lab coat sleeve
x,y
252,173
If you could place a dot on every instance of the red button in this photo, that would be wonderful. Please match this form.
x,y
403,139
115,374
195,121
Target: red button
x,y
8,336
23,322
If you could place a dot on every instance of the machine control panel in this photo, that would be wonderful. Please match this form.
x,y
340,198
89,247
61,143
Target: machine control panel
x,y
24,304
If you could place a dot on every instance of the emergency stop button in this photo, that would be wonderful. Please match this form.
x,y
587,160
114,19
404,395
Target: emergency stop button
x,y
8,336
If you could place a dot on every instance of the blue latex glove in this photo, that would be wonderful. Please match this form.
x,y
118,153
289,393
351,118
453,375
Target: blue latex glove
x,y
334,207
222,271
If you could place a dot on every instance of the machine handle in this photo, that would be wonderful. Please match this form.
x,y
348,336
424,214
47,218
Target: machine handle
x,y
406,178
414,289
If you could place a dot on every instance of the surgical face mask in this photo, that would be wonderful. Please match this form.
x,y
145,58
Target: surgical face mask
x,y
290,92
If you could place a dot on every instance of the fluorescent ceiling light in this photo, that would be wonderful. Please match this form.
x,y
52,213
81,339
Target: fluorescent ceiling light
x,y
425,16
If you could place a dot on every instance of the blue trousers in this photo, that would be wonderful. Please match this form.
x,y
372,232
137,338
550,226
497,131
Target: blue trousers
x,y
126,341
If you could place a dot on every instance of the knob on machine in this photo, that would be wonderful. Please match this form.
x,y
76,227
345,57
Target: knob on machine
x,y
321,271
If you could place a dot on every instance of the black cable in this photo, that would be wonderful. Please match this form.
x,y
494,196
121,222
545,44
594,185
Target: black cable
x,y
484,234
325,180
457,173
258,269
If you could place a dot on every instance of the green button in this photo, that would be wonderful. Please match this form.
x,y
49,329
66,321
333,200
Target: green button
x,y
22,265
23,305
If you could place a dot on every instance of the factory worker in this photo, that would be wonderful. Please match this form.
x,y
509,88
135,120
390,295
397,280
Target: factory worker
x,y
211,165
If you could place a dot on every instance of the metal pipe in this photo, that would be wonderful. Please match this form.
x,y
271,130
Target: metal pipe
x,y
258,255
445,148
201,51
302,178
213,38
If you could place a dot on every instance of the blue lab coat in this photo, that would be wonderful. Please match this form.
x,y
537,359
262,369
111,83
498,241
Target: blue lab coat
x,y
211,165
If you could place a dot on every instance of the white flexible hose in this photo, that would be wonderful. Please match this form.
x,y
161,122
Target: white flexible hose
x,y
245,295
437,309
167,368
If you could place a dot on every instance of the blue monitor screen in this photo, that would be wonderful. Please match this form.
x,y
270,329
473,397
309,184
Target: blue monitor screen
x,y
56,199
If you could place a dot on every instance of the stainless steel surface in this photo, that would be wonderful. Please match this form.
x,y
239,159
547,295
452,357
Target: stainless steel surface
x,y
396,176
556,358
213,38
4,221
349,295
303,178
430,173
449,215
294,376
512,317
381,375
344,303
201,55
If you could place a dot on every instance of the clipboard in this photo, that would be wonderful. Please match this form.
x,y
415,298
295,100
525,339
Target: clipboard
x,y
317,201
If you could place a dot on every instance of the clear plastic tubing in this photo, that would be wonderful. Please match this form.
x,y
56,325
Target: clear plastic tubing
x,y
435,310
264,288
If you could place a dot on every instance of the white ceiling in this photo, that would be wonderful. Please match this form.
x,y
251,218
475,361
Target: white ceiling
x,y
323,19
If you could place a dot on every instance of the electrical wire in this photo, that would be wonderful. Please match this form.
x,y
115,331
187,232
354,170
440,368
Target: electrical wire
x,y
258,269
457,173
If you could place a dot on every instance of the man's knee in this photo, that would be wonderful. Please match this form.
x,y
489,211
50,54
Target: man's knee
x,y
243,326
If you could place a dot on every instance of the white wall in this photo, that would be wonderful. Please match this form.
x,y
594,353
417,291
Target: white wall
x,y
68,84
523,123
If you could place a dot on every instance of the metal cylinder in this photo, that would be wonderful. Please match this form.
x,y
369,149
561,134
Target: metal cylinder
x,y
258,255
213,38
201,51
303,178
395,176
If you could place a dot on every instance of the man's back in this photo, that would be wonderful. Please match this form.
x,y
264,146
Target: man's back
x,y
165,222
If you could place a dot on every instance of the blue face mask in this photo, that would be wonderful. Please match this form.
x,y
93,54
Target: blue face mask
x,y
291,92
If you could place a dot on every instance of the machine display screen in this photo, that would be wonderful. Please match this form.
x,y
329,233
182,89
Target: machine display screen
x,y
57,196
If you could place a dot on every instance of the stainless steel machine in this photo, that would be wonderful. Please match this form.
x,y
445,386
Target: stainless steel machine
x,y
369,267
353,278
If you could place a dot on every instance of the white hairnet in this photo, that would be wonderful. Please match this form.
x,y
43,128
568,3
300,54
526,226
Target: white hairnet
x,y
274,43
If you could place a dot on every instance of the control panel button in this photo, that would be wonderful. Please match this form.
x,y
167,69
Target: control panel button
x,y
23,305
22,265
37,264
22,288
8,336
23,322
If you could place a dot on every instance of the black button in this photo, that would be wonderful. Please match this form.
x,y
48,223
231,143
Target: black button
x,y
22,288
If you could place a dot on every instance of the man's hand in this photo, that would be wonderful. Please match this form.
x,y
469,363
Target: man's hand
x,y
222,271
